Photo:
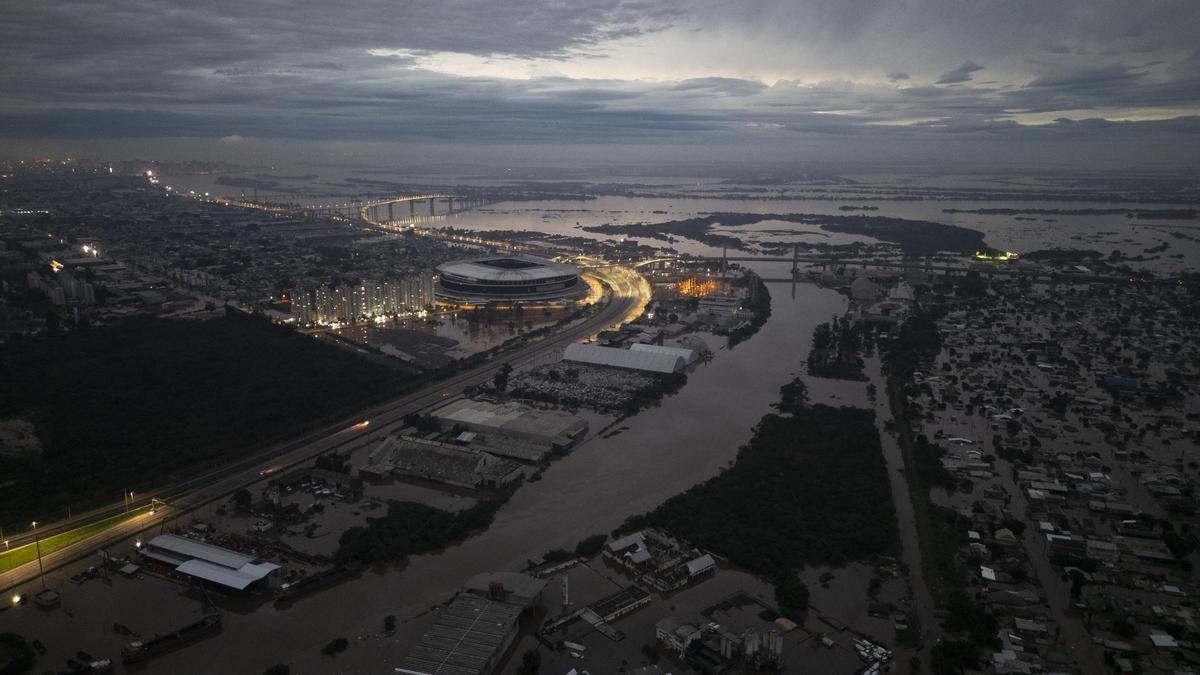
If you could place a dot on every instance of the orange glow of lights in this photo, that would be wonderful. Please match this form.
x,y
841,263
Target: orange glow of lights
x,y
696,288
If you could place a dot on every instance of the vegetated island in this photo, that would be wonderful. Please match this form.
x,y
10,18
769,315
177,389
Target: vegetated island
x,y
835,351
1139,214
783,504
123,407
914,237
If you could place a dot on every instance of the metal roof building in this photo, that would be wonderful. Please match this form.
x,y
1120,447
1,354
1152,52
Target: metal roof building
x,y
650,361
205,561
552,427
687,354
468,638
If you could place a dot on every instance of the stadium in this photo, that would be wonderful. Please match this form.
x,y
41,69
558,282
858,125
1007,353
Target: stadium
x,y
508,278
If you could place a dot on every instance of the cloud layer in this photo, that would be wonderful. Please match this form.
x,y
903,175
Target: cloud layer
x,y
599,71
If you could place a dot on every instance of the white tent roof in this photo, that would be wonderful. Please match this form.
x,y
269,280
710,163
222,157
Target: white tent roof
x,y
687,354
655,362
234,578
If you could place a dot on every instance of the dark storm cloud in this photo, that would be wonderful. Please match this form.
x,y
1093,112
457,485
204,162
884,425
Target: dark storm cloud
x,y
959,74
452,69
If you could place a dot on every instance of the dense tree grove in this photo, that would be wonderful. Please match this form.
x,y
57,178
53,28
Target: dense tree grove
x,y
145,398
834,352
811,487
410,528
917,341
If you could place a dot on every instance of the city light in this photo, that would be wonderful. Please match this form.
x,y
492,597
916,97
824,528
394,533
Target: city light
x,y
16,598
696,288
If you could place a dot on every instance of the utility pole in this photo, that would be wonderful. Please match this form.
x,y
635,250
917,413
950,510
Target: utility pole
x,y
37,544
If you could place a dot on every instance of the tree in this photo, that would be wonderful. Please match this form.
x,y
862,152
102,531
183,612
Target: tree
x,y
590,546
792,594
501,377
335,646
531,662
243,499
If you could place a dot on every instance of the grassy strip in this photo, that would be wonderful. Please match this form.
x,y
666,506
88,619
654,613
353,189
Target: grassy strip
x,y
937,549
22,555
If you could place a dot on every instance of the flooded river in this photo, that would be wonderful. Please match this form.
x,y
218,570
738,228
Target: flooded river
x,y
665,450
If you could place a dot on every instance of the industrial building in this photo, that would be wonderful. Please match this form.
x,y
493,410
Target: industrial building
x,y
210,563
508,278
649,358
440,462
688,355
552,427
473,633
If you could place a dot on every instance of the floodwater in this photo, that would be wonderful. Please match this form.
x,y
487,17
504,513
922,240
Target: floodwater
x,y
667,449
437,340
1021,233
1015,232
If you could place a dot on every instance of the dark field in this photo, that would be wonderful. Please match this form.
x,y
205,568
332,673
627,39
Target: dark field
x,y
123,407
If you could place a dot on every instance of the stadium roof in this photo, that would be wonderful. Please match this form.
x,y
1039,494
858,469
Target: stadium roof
x,y
651,361
507,267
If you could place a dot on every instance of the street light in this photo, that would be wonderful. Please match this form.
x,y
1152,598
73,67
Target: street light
x,y
37,543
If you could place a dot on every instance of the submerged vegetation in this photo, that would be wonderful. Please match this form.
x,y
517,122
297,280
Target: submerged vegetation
x,y
914,237
409,528
783,503
834,352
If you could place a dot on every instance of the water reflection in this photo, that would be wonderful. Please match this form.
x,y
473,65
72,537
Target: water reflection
x,y
436,340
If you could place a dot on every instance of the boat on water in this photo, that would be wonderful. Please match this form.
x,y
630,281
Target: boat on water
x,y
140,650
315,582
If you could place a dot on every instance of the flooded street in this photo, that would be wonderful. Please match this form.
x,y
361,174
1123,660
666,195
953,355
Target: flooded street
x,y
665,450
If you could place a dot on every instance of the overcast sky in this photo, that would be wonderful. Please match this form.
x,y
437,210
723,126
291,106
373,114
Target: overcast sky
x,y
1117,80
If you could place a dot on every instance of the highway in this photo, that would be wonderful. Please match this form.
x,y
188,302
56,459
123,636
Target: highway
x,y
628,295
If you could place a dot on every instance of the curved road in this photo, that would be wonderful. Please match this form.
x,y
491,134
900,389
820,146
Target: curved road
x,y
629,294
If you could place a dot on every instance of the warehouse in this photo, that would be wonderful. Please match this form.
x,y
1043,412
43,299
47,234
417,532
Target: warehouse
x,y
439,462
469,637
556,428
213,564
687,354
653,361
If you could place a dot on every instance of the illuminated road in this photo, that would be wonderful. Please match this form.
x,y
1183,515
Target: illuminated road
x,y
629,294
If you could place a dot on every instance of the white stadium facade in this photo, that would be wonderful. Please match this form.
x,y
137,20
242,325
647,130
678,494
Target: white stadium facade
x,y
508,277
